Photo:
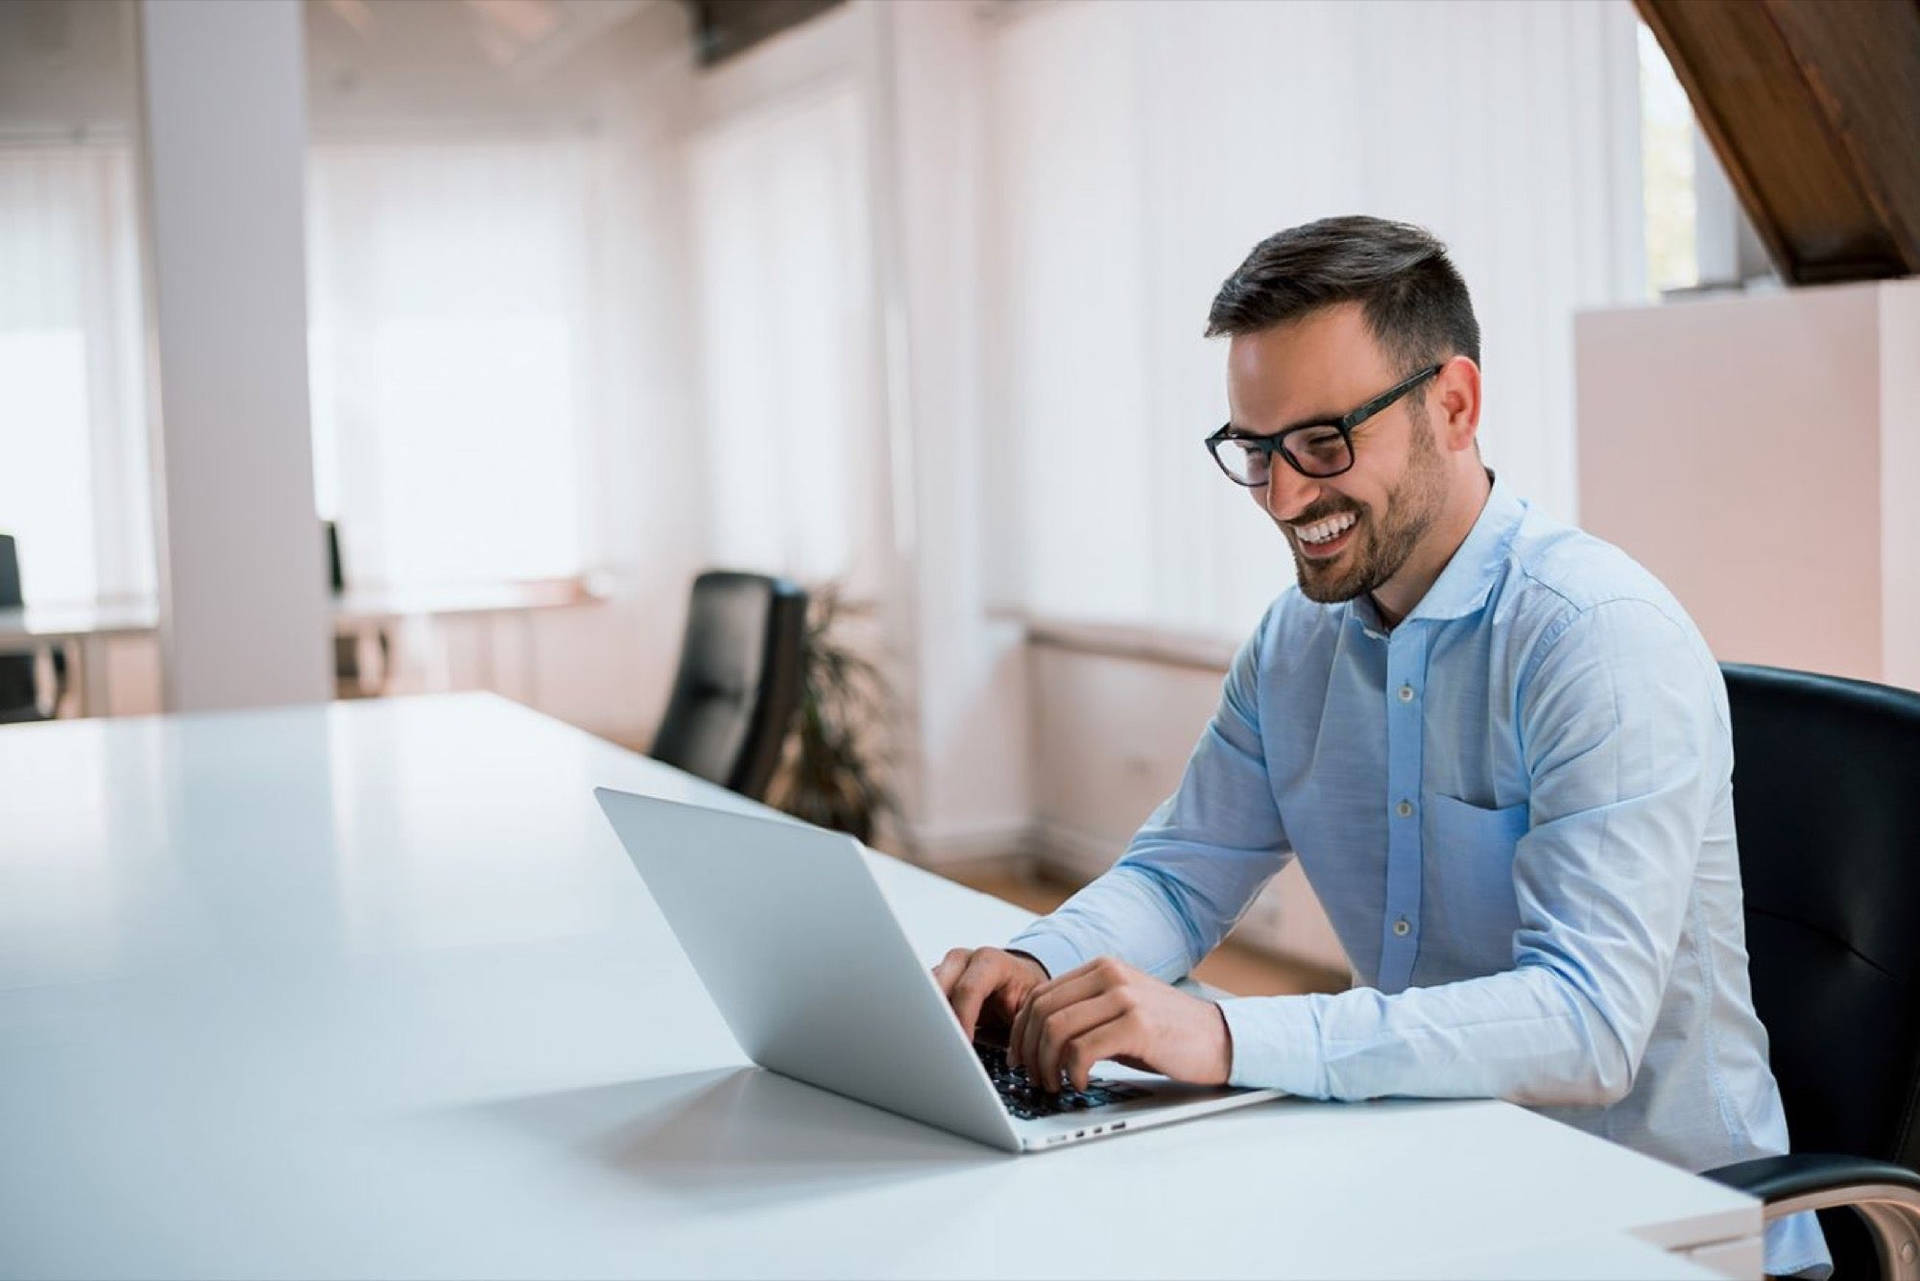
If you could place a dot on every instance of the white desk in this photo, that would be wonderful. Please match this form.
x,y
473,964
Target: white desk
x,y
370,989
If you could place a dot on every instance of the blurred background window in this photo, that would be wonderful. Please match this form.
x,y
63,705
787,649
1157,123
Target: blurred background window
x,y
1667,152
73,421
459,220
450,354
794,468
1177,135
563,318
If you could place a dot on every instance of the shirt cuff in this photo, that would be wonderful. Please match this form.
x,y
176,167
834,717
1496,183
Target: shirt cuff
x,y
1276,1044
1052,950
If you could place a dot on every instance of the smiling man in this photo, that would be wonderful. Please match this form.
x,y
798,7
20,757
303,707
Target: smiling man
x,y
1498,747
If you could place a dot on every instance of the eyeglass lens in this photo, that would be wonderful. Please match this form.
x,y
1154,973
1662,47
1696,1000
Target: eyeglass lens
x,y
1316,451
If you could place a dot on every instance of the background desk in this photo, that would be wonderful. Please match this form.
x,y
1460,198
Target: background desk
x,y
81,631
365,614
370,989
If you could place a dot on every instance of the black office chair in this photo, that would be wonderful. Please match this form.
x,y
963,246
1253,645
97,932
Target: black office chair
x,y
351,678
739,680
1826,802
19,690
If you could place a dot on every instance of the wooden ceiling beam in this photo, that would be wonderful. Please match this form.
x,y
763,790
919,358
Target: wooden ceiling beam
x,y
1813,107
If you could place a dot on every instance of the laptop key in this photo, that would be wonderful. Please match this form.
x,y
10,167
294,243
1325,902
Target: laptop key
x,y
1027,1101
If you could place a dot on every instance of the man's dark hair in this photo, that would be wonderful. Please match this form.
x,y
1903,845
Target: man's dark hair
x,y
1415,303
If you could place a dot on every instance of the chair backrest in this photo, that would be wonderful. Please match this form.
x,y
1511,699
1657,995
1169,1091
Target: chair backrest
x,y
17,688
1826,800
336,577
739,680
10,597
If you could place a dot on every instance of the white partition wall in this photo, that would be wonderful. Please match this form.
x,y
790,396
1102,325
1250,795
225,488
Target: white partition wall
x,y
243,585
972,699
1760,454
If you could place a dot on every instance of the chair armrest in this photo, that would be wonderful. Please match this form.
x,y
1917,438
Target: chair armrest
x,y
1776,1178
1886,1196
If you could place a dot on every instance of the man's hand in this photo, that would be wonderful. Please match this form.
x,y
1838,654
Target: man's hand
x,y
1106,1009
987,980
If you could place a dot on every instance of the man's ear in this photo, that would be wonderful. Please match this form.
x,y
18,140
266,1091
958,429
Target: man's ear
x,y
1455,402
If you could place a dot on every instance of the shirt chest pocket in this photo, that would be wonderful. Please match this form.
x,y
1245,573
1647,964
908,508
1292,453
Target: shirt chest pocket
x,y
1467,874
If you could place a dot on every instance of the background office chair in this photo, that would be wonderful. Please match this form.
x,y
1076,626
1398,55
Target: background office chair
x,y
738,682
352,677
1826,776
19,691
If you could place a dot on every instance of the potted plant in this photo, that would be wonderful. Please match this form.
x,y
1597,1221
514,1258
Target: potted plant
x,y
838,755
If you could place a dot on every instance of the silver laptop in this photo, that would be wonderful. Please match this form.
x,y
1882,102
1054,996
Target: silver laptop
x,y
789,931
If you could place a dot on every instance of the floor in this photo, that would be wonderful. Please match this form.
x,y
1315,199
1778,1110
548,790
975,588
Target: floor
x,y
1232,968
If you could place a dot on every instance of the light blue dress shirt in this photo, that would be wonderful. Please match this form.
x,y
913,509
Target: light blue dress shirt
x,y
1516,807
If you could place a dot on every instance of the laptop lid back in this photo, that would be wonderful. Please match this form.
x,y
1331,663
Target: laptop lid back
x,y
790,934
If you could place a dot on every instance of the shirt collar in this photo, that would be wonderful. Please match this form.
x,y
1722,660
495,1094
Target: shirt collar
x,y
1464,584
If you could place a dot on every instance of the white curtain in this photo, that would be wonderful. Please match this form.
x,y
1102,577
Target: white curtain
x,y
779,206
1140,150
452,356
73,422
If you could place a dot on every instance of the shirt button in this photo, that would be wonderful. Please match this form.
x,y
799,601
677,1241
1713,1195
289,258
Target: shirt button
x,y
1401,928
1404,809
1406,693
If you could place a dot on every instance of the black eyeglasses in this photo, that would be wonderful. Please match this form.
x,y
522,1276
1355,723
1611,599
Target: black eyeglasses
x,y
1319,449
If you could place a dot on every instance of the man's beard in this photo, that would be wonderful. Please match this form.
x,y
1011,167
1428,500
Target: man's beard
x,y
1377,554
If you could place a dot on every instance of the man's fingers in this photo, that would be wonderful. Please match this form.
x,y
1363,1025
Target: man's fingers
x,y
1108,1040
982,977
1023,1042
1059,1029
947,973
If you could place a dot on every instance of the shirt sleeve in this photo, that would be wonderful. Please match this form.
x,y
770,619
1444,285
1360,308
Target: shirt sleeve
x,y
1197,863
1620,725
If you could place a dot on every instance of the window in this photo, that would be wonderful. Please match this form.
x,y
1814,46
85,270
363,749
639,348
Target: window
x,y
73,417
1667,153
794,466
1140,150
449,347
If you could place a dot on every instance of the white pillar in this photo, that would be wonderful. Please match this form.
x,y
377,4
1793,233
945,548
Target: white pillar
x,y
972,796
243,596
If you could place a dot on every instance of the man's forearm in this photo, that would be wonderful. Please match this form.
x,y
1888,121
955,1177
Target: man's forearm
x,y
1525,1035
1125,914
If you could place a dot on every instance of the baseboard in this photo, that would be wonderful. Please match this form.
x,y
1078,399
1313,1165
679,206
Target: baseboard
x,y
998,847
1073,854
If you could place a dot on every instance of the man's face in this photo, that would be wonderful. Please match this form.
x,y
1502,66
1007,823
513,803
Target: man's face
x,y
1322,366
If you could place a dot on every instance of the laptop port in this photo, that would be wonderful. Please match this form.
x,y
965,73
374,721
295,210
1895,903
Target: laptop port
x,y
1119,1126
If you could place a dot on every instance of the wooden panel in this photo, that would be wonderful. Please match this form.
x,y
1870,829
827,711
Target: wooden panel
x,y
1813,107
1861,58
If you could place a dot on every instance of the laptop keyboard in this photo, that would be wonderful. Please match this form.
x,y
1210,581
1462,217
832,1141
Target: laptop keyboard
x,y
1028,1101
